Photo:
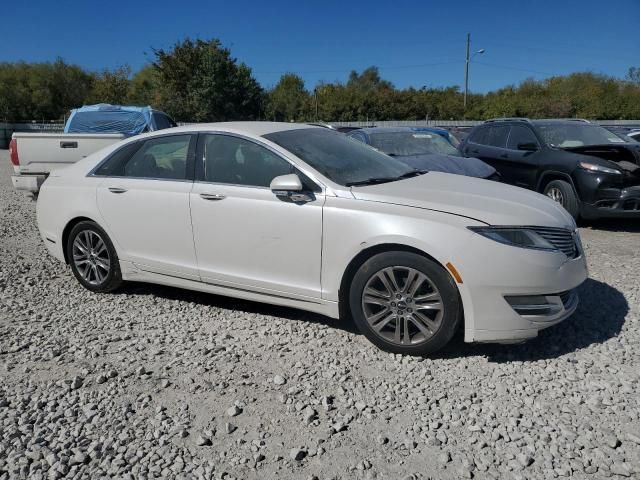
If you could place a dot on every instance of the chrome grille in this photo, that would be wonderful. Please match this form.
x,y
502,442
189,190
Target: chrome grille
x,y
560,238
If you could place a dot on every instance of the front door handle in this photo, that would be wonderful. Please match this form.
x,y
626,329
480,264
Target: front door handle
x,y
504,155
475,151
117,190
212,196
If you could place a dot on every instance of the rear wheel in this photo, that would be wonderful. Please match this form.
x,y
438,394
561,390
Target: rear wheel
x,y
405,303
562,192
94,262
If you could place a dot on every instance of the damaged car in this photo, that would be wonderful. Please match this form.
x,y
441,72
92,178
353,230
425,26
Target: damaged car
x,y
427,149
589,170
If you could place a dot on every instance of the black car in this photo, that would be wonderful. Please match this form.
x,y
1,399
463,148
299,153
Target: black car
x,y
592,172
424,148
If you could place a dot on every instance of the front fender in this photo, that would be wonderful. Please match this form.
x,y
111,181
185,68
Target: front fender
x,y
352,226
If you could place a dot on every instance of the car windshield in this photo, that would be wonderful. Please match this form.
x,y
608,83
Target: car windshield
x,y
339,158
568,135
411,143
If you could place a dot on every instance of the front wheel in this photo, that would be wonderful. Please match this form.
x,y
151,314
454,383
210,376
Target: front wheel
x,y
93,259
562,192
405,303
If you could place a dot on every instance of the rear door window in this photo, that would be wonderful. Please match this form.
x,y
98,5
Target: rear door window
x,y
478,135
156,158
497,136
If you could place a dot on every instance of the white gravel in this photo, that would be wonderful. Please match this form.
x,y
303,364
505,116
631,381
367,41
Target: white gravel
x,y
159,382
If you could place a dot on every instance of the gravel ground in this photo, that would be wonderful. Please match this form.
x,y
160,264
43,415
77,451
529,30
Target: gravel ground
x,y
160,382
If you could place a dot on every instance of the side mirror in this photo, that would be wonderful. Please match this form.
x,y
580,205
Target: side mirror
x,y
528,146
289,187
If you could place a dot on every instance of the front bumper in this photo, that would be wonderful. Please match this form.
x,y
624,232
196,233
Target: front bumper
x,y
614,203
492,273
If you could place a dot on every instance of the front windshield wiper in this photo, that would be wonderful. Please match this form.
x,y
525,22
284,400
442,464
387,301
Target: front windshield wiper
x,y
376,180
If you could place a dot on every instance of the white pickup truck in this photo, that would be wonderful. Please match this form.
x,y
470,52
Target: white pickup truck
x,y
35,155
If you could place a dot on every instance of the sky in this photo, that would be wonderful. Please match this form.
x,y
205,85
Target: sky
x,y
419,43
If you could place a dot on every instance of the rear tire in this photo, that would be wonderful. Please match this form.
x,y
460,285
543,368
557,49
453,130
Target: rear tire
x,y
562,192
405,303
93,259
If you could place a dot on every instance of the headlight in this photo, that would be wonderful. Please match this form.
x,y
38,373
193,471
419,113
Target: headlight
x,y
594,167
517,237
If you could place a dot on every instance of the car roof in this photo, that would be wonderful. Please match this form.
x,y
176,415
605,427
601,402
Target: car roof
x,y
403,129
251,128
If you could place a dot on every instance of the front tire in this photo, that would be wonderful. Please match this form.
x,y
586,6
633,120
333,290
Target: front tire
x,y
405,303
562,192
93,259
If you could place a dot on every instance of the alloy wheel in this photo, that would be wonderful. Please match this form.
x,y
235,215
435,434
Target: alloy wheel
x,y
555,194
91,257
402,305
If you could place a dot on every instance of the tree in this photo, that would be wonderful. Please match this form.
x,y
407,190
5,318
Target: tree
x,y
111,86
633,75
144,86
288,100
37,91
199,81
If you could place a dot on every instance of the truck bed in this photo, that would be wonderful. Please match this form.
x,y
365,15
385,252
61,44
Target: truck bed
x,y
41,153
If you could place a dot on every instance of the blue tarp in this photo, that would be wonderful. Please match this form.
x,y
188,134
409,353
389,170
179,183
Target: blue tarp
x,y
105,118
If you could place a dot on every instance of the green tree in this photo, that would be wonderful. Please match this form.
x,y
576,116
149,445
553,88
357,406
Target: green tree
x,y
288,100
41,91
199,81
144,86
111,86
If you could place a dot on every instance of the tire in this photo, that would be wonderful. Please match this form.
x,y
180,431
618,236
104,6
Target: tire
x,y
562,192
97,268
414,334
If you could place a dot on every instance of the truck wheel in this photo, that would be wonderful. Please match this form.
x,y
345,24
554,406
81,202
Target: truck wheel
x,y
94,262
405,303
562,192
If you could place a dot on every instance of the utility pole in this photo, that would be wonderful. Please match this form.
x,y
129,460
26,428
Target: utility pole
x,y
315,94
466,71
468,59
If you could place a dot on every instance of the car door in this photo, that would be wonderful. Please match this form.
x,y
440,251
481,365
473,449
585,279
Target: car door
x,y
144,202
521,158
489,145
245,236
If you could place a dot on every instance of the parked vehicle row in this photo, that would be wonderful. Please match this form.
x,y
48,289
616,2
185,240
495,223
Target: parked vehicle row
x,y
90,128
306,217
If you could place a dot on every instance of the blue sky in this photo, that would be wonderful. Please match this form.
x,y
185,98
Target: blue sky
x,y
414,43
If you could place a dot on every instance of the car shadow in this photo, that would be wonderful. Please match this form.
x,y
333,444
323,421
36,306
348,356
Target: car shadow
x,y
631,225
600,316
235,304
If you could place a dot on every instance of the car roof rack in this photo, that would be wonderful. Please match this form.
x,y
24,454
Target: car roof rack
x,y
583,120
509,119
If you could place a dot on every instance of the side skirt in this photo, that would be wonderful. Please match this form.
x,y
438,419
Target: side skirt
x,y
323,307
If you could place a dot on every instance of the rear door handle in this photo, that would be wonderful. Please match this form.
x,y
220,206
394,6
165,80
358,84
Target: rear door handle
x,y
475,151
68,144
212,196
117,190
504,155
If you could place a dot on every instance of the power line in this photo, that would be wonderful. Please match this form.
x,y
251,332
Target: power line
x,y
507,67
392,67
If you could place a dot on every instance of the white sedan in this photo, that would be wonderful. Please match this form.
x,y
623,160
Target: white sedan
x,y
305,217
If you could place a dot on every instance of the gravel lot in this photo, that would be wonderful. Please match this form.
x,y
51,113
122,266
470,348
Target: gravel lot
x,y
159,382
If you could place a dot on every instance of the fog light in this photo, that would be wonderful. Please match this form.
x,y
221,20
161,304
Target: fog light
x,y
530,304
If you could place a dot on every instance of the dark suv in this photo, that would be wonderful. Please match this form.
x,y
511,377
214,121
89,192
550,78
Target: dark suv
x,y
589,170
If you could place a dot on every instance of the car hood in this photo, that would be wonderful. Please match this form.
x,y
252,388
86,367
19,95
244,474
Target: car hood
x,y
489,202
472,167
613,155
